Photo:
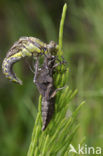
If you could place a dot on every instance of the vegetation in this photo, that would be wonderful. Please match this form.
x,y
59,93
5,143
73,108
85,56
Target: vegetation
x,y
82,46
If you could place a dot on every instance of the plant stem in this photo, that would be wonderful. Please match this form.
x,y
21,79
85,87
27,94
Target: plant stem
x,y
61,28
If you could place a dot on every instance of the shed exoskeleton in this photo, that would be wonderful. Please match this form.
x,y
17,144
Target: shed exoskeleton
x,y
44,81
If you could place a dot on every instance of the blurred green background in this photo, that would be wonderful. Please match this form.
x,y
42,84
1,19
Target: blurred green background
x,y
83,50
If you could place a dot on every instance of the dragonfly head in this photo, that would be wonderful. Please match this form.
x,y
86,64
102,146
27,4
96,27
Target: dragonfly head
x,y
52,48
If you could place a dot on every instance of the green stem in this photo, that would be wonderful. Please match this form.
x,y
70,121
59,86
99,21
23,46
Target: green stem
x,y
61,27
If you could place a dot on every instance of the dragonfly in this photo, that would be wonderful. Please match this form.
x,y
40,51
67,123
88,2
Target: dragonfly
x,y
25,47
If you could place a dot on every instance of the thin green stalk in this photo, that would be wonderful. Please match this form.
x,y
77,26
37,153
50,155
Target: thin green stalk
x,y
61,28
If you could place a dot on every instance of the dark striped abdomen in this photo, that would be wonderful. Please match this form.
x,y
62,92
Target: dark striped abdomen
x,y
47,111
7,68
24,47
